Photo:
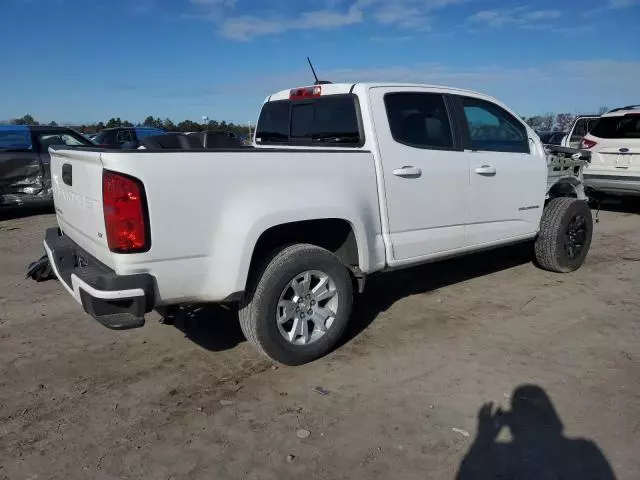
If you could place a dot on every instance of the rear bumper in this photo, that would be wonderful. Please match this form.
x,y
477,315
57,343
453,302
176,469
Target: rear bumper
x,y
116,301
613,184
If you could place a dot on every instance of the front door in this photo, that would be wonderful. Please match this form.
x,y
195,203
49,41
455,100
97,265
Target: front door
x,y
426,174
508,176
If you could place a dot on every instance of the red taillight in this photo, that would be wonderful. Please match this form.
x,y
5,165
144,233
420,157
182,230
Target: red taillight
x,y
305,92
586,144
125,216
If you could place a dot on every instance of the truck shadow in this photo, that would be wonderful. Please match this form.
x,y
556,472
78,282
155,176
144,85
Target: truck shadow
x,y
217,328
382,291
212,327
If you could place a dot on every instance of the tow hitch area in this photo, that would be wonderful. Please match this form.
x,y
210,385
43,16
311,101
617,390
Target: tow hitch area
x,y
116,301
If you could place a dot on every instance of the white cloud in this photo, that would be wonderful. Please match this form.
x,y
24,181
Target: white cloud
x,y
611,5
623,3
559,86
401,14
247,27
519,16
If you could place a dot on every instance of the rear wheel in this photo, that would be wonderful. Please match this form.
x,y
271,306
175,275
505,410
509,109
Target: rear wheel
x,y
565,235
298,305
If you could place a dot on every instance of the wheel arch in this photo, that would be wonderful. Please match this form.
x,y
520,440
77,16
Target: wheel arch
x,y
570,187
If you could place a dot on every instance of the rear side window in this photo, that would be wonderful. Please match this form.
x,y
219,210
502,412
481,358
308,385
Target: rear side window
x,y
493,129
419,120
15,140
582,127
330,120
273,124
627,126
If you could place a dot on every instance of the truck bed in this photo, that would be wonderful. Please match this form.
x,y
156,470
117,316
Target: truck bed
x,y
213,191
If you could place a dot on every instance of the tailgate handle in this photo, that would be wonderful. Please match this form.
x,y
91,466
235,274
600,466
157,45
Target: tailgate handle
x,y
67,176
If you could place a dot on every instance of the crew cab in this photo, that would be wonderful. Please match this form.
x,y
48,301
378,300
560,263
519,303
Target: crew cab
x,y
343,180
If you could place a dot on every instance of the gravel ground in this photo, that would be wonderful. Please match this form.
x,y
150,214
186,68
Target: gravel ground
x,y
400,399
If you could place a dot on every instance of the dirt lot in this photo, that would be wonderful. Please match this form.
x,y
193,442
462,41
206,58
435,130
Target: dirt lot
x,y
428,348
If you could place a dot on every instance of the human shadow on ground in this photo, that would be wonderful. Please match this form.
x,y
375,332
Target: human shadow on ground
x,y
538,449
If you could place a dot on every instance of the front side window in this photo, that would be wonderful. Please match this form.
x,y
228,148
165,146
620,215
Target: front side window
x,y
419,120
492,129
329,120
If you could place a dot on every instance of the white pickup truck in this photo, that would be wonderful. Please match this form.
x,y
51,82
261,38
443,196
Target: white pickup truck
x,y
342,181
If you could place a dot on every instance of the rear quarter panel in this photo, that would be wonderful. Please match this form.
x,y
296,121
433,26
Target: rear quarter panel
x,y
208,209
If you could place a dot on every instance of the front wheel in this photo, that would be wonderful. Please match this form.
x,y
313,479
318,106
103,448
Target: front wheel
x,y
565,235
298,305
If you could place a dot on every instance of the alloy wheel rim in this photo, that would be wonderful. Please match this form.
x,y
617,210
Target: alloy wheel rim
x,y
307,307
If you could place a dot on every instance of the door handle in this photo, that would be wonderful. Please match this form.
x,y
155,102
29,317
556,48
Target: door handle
x,y
67,174
486,170
407,171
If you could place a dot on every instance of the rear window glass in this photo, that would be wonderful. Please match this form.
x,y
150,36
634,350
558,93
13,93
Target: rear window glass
x,y
326,120
627,126
15,140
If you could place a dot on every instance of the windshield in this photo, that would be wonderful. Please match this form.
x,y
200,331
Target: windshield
x,y
627,126
325,120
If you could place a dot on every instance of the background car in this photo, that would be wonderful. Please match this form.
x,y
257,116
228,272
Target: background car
x,y
125,136
614,143
25,175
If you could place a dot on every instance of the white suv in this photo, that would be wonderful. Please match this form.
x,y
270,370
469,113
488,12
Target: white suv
x,y
615,159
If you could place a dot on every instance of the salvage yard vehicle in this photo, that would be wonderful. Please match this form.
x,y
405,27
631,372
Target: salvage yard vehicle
x,y
344,180
614,143
25,178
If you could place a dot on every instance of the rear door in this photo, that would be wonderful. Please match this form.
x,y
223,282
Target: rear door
x,y
76,177
508,177
426,173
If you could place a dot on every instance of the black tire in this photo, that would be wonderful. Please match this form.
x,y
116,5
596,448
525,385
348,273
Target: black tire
x,y
560,217
258,308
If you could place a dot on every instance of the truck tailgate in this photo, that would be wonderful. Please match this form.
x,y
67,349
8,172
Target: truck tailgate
x,y
76,178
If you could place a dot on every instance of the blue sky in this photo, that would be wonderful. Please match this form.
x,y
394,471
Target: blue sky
x,y
88,60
